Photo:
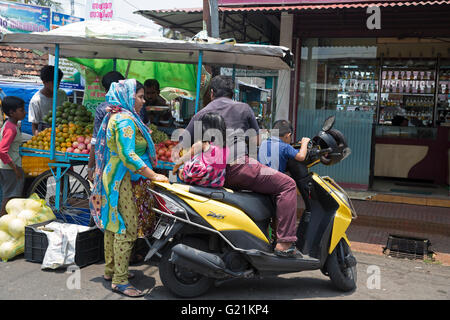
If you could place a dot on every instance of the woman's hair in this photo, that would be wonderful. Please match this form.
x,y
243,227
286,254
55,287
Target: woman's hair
x,y
139,86
11,104
217,123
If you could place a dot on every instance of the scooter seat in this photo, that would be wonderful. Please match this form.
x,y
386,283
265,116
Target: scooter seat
x,y
259,207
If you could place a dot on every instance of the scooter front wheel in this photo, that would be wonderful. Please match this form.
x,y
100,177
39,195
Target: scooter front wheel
x,y
181,281
341,267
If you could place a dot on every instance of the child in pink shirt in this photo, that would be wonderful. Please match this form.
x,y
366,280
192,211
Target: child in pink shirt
x,y
205,164
11,173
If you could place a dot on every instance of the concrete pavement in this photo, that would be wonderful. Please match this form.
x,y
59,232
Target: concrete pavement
x,y
379,278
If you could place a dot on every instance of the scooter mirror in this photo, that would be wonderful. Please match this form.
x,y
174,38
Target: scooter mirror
x,y
328,123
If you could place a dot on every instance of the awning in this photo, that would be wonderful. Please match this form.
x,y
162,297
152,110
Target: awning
x,y
260,24
288,8
84,45
333,6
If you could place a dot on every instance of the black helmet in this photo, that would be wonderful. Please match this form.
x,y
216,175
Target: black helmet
x,y
332,139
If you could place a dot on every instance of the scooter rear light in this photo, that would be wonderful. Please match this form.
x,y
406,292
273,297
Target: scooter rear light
x,y
160,203
166,204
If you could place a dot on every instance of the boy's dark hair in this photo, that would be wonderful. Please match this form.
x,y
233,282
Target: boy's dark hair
x,y
151,83
212,120
47,74
110,77
283,126
222,86
11,104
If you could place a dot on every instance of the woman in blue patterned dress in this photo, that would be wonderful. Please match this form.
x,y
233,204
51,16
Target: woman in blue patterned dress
x,y
124,156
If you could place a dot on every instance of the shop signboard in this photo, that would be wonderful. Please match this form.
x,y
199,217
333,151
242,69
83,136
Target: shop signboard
x,y
100,10
22,18
61,19
249,73
72,78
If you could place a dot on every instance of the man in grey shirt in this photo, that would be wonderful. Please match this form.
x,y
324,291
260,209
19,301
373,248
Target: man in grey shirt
x,y
42,101
244,172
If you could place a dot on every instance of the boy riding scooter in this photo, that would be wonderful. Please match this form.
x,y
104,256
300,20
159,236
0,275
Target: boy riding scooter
x,y
278,153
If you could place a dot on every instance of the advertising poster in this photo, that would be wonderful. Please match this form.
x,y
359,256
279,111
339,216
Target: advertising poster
x,y
72,78
94,94
61,19
17,17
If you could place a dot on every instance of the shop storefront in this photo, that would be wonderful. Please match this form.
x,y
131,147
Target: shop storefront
x,y
390,91
407,100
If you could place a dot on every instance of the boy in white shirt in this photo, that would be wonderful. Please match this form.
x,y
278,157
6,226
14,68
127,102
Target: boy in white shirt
x,y
42,101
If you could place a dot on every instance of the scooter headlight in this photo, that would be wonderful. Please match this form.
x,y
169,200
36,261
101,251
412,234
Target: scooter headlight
x,y
342,195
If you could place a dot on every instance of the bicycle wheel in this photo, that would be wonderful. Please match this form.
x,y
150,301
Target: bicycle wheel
x,y
73,196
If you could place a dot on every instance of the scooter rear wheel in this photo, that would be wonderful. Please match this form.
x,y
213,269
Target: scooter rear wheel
x,y
181,281
342,275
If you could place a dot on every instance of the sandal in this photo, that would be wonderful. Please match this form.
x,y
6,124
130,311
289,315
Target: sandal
x,y
130,276
122,288
291,252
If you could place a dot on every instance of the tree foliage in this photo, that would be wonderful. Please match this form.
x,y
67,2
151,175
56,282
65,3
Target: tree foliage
x,y
55,5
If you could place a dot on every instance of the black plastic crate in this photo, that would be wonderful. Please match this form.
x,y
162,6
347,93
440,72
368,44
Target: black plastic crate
x,y
88,248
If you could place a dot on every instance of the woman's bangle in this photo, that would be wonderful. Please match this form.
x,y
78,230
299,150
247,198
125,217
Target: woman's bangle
x,y
91,169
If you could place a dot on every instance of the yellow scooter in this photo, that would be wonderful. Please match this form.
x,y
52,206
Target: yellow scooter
x,y
209,235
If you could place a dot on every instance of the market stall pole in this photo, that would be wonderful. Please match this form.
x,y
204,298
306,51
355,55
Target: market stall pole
x,y
199,79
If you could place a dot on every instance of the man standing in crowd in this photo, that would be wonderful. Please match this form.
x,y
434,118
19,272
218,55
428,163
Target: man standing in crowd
x,y
152,98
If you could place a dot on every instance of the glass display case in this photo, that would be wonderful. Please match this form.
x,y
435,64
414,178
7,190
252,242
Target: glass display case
x,y
352,85
443,95
407,90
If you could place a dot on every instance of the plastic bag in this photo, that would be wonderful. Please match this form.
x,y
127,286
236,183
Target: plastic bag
x,y
61,244
21,212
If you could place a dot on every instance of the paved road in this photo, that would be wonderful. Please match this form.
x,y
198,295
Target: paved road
x,y
379,278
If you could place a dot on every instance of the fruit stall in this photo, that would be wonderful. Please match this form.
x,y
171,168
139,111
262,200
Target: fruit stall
x,y
65,145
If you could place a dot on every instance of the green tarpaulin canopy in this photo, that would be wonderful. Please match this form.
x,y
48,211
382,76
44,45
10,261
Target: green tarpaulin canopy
x,y
176,75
